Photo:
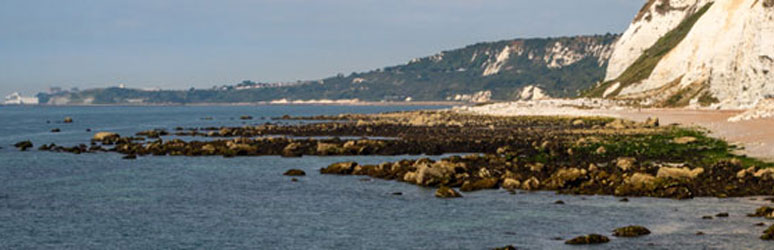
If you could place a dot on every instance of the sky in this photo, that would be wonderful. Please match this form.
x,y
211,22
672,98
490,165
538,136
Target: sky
x,y
201,43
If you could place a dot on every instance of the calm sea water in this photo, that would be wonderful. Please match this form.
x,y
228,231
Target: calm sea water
x,y
98,201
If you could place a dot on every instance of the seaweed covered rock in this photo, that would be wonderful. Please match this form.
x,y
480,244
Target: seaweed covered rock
x,y
293,149
679,173
106,137
588,239
341,168
764,211
631,231
429,173
511,184
447,192
485,183
565,177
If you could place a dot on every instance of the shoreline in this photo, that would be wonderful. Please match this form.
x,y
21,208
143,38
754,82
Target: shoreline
x,y
417,103
602,156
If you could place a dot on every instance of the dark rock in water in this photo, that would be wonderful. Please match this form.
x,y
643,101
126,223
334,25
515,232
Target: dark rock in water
x,y
486,183
341,168
557,238
446,192
295,172
631,231
768,234
154,133
764,211
588,239
699,233
397,193
706,217
293,179
245,117
130,157
68,120
23,145
624,200
88,130
56,130
759,224
722,215
559,202
508,247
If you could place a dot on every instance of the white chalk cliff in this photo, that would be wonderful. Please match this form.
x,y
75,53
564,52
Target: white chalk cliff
x,y
725,60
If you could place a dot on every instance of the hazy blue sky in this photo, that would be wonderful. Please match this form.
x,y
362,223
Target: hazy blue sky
x,y
185,43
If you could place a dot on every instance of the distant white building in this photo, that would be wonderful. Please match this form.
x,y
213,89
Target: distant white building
x,y
17,99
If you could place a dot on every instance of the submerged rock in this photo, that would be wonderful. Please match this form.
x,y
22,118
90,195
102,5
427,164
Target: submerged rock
x,y
588,239
631,231
68,120
295,172
447,192
508,247
768,234
23,145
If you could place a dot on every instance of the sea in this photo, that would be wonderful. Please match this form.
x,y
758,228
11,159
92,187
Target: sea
x,y
52,200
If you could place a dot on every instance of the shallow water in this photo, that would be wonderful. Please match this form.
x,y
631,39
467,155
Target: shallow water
x,y
98,201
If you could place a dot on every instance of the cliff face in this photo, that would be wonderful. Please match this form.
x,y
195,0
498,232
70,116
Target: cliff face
x,y
695,53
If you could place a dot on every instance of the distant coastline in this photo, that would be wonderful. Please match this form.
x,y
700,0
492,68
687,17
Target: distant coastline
x,y
303,103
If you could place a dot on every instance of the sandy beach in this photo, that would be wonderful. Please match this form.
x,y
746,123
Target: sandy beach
x,y
756,136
